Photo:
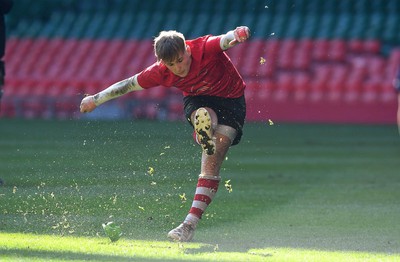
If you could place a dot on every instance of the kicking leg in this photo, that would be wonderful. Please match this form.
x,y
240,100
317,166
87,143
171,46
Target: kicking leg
x,y
204,122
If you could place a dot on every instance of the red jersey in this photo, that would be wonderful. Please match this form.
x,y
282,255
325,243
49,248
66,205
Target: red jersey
x,y
211,72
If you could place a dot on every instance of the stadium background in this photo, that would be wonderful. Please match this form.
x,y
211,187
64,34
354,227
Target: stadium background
x,y
308,60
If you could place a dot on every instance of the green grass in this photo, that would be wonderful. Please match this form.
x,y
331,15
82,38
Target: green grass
x,y
300,192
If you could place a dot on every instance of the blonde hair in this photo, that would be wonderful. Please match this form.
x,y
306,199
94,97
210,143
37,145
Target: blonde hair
x,y
168,45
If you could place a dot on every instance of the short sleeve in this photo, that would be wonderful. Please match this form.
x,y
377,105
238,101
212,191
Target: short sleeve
x,y
150,77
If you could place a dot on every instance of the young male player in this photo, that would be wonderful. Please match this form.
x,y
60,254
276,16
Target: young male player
x,y
214,102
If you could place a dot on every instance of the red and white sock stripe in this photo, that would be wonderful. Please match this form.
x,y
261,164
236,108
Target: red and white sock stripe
x,y
207,187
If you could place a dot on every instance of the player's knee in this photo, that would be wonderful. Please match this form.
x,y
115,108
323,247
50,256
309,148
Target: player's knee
x,y
227,133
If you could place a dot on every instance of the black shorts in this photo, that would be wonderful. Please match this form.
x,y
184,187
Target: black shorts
x,y
230,111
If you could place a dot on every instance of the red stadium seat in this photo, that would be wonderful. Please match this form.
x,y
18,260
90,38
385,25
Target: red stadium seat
x,y
269,59
259,91
321,72
302,61
284,86
252,87
372,46
321,50
254,52
317,90
266,88
337,50
286,53
336,83
386,91
353,88
376,65
7,107
301,84
334,91
358,65
370,91
355,45
238,56
107,61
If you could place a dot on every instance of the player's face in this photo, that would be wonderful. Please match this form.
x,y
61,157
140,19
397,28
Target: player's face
x,y
180,66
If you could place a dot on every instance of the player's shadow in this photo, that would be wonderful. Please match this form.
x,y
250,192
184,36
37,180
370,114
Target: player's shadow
x,y
208,248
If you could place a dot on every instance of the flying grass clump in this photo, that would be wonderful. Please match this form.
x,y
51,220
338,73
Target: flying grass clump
x,y
228,186
112,231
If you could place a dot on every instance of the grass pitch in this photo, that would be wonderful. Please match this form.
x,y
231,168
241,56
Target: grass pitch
x,y
299,192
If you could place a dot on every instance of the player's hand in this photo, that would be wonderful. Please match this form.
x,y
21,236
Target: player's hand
x,y
87,104
241,34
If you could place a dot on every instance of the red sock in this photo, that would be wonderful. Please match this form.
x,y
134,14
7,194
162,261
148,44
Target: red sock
x,y
206,189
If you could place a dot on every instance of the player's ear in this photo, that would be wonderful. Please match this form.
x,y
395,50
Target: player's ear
x,y
188,50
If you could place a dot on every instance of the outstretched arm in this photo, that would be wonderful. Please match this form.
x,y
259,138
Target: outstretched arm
x,y
233,37
89,103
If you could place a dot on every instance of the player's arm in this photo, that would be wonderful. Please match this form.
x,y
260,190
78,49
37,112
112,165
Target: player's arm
x,y
233,37
89,103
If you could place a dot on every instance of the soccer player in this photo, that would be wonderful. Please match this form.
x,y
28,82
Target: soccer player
x,y
396,84
214,103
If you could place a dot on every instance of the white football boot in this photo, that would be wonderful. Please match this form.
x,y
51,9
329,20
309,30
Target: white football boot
x,y
183,233
202,127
